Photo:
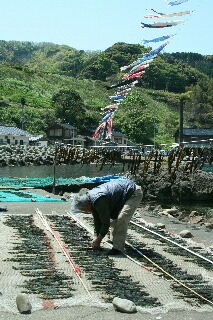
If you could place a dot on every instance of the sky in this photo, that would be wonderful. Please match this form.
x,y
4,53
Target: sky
x,y
94,25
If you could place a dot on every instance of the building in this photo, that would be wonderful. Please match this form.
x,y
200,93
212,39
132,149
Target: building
x,y
91,142
13,135
198,138
39,141
119,138
64,133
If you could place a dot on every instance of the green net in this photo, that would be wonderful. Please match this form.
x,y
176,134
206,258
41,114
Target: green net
x,y
37,182
21,196
15,182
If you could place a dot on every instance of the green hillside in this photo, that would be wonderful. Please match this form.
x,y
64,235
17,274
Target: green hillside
x,y
58,83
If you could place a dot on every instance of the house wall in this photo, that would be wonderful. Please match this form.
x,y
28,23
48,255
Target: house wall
x,y
193,137
119,139
13,139
188,138
61,135
42,143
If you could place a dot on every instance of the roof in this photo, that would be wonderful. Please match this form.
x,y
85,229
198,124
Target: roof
x,y
65,126
110,144
38,138
9,130
198,132
118,134
131,144
114,133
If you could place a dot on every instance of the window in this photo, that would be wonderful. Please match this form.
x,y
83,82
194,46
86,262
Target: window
x,y
51,133
68,133
55,133
58,133
118,140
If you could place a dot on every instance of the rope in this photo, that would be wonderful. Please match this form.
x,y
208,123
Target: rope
x,y
90,231
168,274
173,242
148,259
63,248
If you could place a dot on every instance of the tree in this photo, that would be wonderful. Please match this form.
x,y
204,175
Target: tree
x,y
101,69
199,110
123,53
136,119
145,120
69,107
173,77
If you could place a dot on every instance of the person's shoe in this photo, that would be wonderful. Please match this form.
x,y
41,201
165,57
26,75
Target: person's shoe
x,y
114,252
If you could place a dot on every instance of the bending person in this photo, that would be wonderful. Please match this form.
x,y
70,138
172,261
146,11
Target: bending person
x,y
113,202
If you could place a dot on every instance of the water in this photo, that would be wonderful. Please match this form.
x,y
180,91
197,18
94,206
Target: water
x,y
62,171
208,167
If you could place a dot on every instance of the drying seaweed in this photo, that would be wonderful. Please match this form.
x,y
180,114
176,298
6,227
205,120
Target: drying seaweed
x,y
98,267
194,282
177,250
34,259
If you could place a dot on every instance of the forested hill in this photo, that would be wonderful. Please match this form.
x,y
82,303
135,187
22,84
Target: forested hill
x,y
57,82
66,60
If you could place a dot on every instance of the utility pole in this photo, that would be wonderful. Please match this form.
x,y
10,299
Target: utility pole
x,y
154,134
181,123
23,101
73,137
54,167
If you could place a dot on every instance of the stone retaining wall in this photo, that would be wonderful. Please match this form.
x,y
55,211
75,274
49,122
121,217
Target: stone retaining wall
x,y
26,155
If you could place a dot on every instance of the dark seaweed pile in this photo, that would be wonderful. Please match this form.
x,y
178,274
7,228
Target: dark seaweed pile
x,y
34,258
194,282
98,267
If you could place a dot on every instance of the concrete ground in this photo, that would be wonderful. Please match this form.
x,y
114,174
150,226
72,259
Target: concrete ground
x,y
90,312
93,313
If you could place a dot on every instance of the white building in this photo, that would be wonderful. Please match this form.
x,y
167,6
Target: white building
x,y
39,141
119,138
14,136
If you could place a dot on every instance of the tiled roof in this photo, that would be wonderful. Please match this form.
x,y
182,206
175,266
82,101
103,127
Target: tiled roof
x,y
9,130
66,126
118,134
198,132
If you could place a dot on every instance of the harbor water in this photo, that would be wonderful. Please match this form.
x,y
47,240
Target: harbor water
x,y
61,171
